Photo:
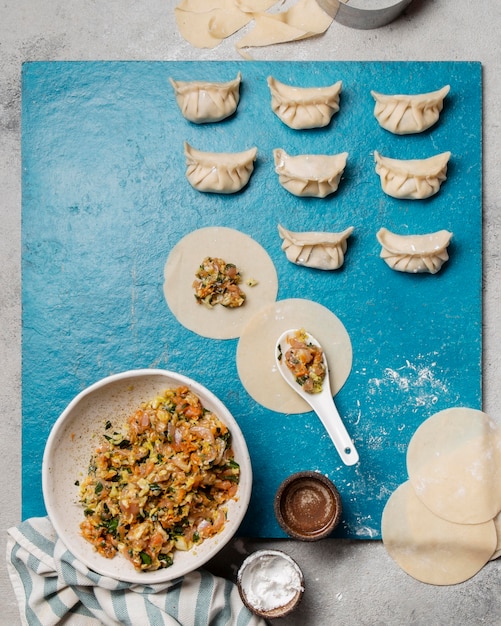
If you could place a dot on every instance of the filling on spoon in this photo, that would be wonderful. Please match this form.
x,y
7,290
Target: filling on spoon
x,y
306,361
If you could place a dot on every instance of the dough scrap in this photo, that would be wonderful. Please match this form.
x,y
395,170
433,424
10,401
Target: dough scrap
x,y
234,246
414,253
412,179
203,30
305,19
323,251
429,548
453,463
256,351
304,107
206,25
406,114
309,175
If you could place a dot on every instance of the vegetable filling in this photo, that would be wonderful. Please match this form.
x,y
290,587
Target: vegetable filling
x,y
162,484
306,361
217,283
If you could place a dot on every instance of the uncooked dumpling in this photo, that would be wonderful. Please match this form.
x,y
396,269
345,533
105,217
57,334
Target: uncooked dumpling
x,y
323,251
405,114
304,107
201,101
315,175
414,253
412,179
219,172
430,548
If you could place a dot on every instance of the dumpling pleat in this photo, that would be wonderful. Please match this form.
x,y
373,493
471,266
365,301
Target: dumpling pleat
x,y
407,114
219,172
324,251
309,175
414,179
414,253
201,102
302,108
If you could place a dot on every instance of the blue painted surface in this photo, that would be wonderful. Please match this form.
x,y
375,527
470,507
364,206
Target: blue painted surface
x,y
105,198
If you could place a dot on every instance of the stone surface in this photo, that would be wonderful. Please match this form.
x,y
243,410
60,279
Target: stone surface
x,y
347,582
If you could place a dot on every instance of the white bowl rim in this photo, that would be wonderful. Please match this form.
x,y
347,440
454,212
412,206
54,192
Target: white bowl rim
x,y
170,573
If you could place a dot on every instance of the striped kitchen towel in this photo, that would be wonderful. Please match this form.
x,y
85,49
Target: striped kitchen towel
x,y
51,587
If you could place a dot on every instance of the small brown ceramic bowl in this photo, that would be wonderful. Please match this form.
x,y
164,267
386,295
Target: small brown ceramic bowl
x,y
270,583
308,506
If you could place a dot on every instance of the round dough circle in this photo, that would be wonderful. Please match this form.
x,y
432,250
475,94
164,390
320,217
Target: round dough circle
x,y
235,247
430,548
256,351
453,465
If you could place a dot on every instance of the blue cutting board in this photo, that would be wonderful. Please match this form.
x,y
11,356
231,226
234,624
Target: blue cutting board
x,y
105,198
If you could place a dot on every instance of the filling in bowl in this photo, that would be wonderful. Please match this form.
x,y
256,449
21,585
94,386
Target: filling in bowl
x,y
161,484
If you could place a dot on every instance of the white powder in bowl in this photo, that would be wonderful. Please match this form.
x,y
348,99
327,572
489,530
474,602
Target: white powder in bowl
x,y
270,580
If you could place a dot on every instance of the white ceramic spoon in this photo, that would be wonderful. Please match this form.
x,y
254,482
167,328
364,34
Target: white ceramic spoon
x,y
322,403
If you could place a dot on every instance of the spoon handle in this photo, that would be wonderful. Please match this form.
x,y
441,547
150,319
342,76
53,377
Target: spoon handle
x,y
330,418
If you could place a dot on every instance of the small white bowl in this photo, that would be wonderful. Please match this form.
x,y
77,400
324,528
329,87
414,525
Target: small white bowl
x,y
270,583
75,436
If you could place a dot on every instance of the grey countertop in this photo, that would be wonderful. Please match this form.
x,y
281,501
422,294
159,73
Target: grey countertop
x,y
347,582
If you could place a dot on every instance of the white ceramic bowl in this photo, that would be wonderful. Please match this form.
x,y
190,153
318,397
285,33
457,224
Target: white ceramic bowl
x,y
76,434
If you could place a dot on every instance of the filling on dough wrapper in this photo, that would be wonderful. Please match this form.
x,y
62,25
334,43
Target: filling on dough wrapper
x,y
256,351
256,268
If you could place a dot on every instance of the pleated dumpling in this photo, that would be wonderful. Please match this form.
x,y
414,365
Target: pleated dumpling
x,y
219,172
405,115
323,251
412,179
304,107
315,175
202,102
414,253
